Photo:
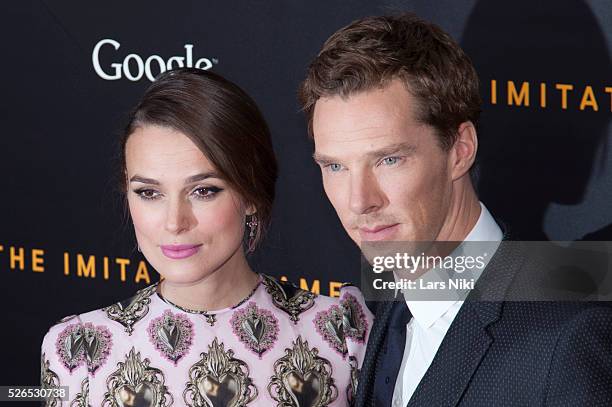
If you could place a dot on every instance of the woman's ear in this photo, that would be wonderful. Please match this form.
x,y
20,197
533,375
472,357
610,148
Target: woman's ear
x,y
251,209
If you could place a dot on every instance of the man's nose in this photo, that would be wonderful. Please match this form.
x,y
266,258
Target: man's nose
x,y
178,215
365,193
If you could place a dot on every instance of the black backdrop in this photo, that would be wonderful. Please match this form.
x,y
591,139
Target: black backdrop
x,y
544,166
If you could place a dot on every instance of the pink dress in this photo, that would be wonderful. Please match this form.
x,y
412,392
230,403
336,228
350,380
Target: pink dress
x,y
280,346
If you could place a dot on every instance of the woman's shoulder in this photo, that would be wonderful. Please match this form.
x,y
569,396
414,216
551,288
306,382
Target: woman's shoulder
x,y
296,301
287,290
340,325
121,311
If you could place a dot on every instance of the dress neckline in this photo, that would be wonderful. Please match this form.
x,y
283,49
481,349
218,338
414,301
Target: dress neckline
x,y
213,312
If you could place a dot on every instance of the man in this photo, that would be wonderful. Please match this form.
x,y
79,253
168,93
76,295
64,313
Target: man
x,y
392,104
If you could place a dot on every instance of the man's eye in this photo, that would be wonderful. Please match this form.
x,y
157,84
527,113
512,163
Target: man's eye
x,y
147,193
334,167
390,160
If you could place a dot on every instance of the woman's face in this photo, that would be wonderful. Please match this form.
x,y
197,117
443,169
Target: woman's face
x,y
188,221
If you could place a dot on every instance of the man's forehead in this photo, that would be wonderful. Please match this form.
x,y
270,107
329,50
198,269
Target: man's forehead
x,y
374,113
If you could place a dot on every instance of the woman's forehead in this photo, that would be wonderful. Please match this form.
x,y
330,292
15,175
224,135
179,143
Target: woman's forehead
x,y
163,150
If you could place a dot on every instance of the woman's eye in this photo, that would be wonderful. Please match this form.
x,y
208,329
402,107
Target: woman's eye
x,y
206,192
147,193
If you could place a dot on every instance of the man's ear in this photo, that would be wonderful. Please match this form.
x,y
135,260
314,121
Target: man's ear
x,y
464,150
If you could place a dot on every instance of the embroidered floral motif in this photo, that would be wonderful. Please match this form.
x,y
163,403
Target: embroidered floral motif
x,y
255,327
351,390
288,297
132,310
80,400
49,380
171,335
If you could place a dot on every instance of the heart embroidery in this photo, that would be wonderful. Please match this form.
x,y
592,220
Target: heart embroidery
x,y
339,322
305,391
219,379
136,383
330,325
354,319
171,335
302,378
78,344
255,327
219,393
97,341
143,396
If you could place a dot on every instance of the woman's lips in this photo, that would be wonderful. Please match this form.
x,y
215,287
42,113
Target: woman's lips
x,y
180,251
381,232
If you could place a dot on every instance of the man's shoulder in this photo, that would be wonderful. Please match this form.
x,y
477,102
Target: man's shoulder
x,y
550,317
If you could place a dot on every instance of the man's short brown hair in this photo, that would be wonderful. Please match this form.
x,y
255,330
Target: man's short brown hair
x,y
370,52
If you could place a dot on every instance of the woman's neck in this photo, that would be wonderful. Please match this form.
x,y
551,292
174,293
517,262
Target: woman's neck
x,y
222,288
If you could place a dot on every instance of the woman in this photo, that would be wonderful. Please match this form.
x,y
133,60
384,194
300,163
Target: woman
x,y
199,174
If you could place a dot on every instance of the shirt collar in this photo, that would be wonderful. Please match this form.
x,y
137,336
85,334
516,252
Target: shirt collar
x,y
426,313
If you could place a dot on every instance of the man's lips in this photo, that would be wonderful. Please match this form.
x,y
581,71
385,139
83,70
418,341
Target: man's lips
x,y
180,251
379,232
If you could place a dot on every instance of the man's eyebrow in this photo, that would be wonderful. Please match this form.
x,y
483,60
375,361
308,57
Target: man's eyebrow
x,y
401,148
194,178
323,159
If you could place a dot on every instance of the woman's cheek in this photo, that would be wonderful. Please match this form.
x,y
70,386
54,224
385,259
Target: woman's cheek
x,y
147,221
221,218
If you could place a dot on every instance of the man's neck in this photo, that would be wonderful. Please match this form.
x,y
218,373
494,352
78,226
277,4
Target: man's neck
x,y
462,215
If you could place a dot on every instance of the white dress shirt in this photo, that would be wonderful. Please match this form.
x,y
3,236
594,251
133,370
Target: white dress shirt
x,y
432,319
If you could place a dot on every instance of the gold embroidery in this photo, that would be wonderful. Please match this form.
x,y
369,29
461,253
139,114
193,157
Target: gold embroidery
x,y
135,383
49,380
128,312
288,297
302,378
219,380
81,398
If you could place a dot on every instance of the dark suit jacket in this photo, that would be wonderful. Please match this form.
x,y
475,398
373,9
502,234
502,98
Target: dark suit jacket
x,y
509,353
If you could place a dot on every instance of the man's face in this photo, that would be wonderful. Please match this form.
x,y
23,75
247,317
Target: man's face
x,y
383,171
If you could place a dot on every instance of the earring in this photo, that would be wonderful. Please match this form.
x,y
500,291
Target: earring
x,y
252,224
138,246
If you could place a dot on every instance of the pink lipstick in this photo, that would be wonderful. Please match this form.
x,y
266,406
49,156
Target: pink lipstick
x,y
180,251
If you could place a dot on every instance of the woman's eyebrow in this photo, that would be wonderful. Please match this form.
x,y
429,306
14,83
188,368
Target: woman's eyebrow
x,y
202,176
193,178
138,178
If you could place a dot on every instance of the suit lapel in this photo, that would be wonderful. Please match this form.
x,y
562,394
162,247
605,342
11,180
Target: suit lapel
x,y
376,340
468,340
458,357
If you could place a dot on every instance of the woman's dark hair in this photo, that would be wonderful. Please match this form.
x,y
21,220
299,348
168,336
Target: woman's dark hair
x,y
223,122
